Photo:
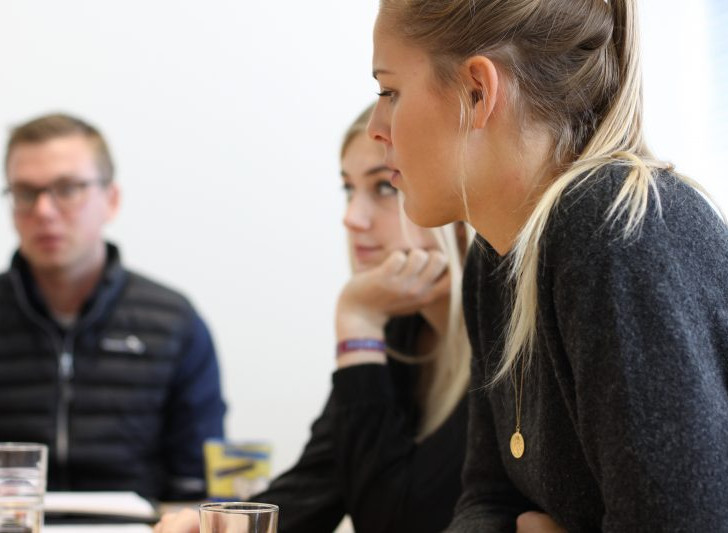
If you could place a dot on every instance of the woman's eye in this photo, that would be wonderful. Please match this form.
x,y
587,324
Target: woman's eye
x,y
384,188
386,93
348,191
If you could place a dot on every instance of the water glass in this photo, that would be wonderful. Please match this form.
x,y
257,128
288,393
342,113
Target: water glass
x,y
23,468
238,517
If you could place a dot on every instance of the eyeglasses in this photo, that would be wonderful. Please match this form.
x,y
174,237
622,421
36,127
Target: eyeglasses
x,y
67,194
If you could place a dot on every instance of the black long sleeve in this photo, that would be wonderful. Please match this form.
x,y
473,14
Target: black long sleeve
x,y
309,494
362,459
392,483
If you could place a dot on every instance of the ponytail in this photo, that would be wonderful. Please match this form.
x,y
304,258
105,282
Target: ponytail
x,y
618,139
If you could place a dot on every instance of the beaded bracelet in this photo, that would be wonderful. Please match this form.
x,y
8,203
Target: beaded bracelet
x,y
353,345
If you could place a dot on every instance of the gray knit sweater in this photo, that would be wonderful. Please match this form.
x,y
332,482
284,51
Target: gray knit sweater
x,y
625,406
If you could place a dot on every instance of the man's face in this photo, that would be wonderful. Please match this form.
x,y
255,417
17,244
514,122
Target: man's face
x,y
62,230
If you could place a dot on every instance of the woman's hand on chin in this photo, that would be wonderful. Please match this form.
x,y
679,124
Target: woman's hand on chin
x,y
403,284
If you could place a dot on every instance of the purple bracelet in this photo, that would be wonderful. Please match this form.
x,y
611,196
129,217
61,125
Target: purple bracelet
x,y
353,345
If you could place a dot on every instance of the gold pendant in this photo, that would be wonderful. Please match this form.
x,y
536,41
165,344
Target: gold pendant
x,y
518,446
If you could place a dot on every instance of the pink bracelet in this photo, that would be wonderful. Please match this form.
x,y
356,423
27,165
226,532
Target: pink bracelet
x,y
353,345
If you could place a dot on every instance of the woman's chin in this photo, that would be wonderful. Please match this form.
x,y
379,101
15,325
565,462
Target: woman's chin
x,y
423,216
360,266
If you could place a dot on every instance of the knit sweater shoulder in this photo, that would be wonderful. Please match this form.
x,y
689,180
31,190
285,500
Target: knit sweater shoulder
x,y
625,403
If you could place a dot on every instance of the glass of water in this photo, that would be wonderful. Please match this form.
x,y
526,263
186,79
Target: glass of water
x,y
23,468
238,517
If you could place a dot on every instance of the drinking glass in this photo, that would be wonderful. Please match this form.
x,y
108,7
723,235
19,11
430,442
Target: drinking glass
x,y
23,469
238,517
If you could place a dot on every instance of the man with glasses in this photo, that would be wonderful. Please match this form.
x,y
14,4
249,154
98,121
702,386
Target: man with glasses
x,y
116,373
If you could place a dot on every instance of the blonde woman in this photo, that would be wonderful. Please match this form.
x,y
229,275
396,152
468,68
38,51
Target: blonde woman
x,y
390,444
596,295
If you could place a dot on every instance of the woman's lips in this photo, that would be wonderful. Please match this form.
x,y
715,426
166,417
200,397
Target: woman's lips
x,y
366,254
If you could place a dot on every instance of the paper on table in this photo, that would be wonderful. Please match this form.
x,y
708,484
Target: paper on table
x,y
112,503
98,528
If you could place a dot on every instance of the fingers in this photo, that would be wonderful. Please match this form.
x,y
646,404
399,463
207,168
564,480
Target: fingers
x,y
403,284
535,522
416,261
164,524
185,521
422,273
394,264
435,267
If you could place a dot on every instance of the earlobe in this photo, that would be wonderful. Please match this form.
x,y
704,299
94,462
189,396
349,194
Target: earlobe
x,y
114,201
481,77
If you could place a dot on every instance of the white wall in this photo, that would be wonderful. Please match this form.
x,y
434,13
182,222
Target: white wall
x,y
681,53
225,118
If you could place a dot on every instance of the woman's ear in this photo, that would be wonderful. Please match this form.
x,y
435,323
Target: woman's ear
x,y
481,79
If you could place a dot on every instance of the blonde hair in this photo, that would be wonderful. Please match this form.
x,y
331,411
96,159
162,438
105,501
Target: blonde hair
x,y
572,66
446,369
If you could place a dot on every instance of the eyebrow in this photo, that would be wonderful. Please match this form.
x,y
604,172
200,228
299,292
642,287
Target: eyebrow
x,y
371,172
379,71
377,170
59,177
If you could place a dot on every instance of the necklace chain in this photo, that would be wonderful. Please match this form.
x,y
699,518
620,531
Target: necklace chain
x,y
517,442
518,394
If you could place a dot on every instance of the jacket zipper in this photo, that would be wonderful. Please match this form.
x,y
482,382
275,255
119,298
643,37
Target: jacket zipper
x,y
65,374
64,350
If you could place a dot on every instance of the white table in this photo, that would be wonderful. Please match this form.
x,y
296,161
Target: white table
x,y
98,528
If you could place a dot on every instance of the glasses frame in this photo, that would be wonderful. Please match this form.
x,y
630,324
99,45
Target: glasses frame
x,y
53,190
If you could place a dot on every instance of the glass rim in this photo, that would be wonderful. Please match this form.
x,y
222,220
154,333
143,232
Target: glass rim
x,y
23,446
227,507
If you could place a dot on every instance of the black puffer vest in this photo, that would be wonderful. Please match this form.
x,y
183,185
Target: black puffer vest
x,y
97,392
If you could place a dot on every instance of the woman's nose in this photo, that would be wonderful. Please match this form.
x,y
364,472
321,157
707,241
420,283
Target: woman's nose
x,y
378,127
358,216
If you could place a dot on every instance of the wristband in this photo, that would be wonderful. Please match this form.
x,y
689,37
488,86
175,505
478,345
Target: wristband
x,y
353,345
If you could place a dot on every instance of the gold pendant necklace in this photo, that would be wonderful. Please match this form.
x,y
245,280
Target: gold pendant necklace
x,y
518,445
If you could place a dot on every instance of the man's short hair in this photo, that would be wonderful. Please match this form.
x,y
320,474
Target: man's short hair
x,y
56,125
